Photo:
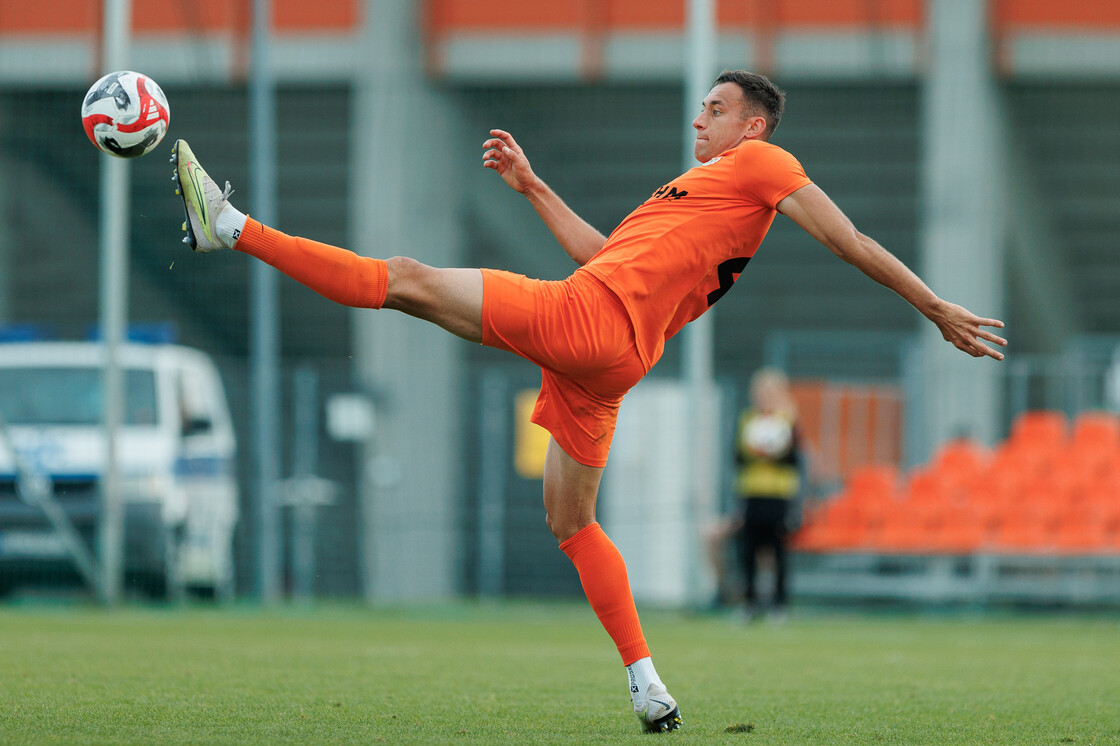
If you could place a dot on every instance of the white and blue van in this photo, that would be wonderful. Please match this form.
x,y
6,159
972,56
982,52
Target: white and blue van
x,y
176,460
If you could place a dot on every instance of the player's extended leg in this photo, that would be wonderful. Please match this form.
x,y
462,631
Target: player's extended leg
x,y
570,493
451,298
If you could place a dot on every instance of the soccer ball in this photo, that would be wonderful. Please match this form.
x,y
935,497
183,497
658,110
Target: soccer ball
x,y
768,435
125,114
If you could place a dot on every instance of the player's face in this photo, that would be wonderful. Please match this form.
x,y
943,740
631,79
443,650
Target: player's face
x,y
767,396
720,125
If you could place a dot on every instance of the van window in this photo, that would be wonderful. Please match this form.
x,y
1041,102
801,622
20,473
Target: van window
x,y
71,396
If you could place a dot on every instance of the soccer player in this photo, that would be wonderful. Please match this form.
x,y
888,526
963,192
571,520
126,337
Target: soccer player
x,y
596,334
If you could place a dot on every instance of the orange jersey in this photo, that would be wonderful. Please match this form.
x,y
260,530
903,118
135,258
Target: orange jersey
x,y
684,247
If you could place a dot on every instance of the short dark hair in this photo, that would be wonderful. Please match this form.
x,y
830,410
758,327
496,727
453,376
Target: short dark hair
x,y
763,98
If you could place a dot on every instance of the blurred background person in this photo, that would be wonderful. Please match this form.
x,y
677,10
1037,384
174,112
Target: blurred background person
x,y
768,483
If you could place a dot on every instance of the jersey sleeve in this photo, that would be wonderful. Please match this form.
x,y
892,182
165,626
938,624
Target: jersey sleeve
x,y
768,174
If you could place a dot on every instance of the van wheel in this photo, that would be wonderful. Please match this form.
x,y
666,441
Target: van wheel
x,y
150,585
158,583
202,592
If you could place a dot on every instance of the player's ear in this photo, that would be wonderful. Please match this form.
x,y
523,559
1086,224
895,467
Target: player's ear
x,y
756,127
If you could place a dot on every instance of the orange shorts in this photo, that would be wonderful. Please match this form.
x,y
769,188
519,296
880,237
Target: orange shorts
x,y
580,335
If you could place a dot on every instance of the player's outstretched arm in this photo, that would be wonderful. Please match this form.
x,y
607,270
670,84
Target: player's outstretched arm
x,y
576,236
811,208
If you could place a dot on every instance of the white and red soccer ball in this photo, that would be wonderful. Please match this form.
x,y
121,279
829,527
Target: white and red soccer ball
x,y
125,114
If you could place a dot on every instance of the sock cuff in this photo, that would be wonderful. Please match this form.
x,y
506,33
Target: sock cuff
x,y
586,536
635,650
377,285
258,240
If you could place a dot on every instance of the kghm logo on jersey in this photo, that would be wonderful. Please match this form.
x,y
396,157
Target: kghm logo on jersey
x,y
668,192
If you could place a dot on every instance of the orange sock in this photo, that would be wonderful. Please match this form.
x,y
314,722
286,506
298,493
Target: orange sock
x,y
334,273
602,572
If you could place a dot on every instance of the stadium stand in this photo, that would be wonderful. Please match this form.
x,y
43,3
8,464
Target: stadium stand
x,y
1034,520
1052,487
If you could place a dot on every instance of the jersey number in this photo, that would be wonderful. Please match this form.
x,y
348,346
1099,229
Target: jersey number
x,y
728,273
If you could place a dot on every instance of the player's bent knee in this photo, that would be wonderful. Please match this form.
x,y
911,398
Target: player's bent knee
x,y
564,529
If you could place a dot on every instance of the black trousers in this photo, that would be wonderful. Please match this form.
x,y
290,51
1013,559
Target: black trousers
x,y
764,526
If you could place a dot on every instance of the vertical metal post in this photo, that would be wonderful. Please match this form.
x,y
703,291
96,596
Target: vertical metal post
x,y
264,352
964,225
114,209
701,41
305,465
410,527
699,67
494,466
1020,376
7,238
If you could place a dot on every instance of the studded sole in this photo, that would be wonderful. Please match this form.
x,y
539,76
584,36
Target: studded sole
x,y
190,238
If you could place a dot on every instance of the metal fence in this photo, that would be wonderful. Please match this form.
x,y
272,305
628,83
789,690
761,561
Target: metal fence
x,y
599,109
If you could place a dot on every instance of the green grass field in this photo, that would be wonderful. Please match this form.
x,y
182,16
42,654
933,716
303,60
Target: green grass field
x,y
546,673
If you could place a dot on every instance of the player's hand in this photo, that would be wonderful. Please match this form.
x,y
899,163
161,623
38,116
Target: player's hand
x,y
503,154
964,330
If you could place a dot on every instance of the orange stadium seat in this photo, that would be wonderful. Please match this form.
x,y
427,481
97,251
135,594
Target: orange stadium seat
x,y
961,453
925,486
1018,465
1097,431
873,485
1082,530
996,500
1039,428
1094,448
871,494
1045,500
844,523
960,539
852,507
830,535
1050,487
927,495
1023,534
960,463
1036,442
961,531
902,537
1020,518
1073,468
908,528
1109,517
1103,495
849,537
811,537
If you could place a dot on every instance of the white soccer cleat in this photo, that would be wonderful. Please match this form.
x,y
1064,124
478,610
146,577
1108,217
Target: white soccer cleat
x,y
202,200
659,712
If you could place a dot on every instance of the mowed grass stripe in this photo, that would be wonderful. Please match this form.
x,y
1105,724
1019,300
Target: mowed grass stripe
x,y
546,673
